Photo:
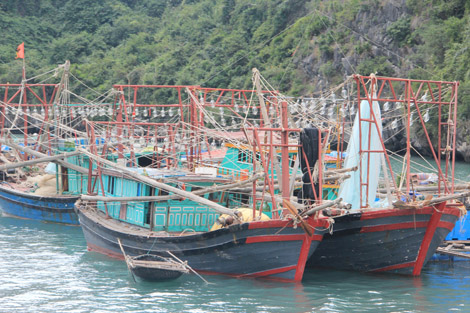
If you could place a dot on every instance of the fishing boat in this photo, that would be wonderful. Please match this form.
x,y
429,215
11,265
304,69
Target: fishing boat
x,y
24,116
178,208
153,267
44,208
379,233
274,248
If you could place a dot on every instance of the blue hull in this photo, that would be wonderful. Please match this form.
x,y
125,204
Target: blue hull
x,y
269,249
49,209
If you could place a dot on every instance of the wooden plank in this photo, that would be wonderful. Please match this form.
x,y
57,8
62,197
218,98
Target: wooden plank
x,y
453,253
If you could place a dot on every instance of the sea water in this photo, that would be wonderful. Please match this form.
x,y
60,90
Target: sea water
x,y
46,267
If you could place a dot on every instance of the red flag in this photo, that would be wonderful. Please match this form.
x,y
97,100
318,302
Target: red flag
x,y
20,51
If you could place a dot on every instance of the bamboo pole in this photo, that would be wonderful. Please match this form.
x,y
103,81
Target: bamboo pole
x,y
38,160
450,197
42,155
267,122
429,188
339,171
321,207
170,197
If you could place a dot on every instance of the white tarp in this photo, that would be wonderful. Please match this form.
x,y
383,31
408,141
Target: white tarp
x,y
349,189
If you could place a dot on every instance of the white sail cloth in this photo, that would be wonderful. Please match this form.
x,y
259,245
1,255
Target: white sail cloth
x,y
350,188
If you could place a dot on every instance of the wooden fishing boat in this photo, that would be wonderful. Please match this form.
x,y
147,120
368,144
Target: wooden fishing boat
x,y
390,240
374,235
155,268
24,117
57,209
271,249
155,210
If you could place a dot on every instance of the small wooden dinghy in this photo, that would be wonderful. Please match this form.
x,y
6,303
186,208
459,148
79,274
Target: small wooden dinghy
x,y
154,267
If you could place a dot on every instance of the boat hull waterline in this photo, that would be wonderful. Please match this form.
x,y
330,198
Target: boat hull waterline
x,y
393,241
30,206
271,249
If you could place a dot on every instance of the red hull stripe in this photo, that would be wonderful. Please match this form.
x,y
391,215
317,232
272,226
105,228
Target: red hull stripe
x,y
270,272
395,267
370,215
257,275
448,225
428,236
112,254
92,247
268,224
316,223
303,256
453,209
407,225
403,212
269,238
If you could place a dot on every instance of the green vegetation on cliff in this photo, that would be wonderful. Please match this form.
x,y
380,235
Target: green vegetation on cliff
x,y
300,46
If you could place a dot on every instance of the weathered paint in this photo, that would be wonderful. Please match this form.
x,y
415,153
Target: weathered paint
x,y
271,249
398,241
51,209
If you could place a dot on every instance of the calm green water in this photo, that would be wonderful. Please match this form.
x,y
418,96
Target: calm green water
x,y
419,165
46,268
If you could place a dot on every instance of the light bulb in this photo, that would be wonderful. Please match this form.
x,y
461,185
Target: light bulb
x,y
426,116
386,106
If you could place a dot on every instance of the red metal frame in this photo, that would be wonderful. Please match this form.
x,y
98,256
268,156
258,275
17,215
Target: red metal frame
x,y
384,89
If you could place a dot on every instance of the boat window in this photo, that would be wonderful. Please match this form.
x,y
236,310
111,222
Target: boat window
x,y
246,156
214,196
139,189
292,160
111,181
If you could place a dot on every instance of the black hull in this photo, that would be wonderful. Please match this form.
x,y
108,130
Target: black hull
x,y
154,274
395,241
272,249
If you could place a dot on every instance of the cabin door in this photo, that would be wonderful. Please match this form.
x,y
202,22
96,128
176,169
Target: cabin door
x,y
64,178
